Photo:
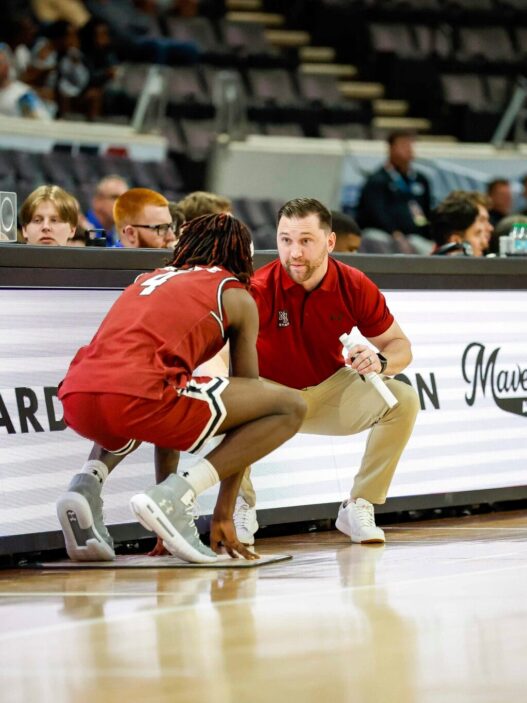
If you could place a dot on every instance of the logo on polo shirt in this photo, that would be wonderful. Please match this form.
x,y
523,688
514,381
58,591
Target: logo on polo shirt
x,y
283,318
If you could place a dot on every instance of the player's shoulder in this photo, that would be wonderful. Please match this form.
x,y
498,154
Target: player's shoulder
x,y
238,304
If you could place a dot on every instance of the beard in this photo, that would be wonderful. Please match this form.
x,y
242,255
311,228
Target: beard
x,y
309,268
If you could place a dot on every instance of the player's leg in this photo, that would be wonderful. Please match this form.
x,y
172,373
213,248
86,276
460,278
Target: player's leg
x,y
256,417
245,519
80,509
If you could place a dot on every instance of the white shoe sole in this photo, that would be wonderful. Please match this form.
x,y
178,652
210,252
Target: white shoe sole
x,y
247,541
73,510
153,519
342,526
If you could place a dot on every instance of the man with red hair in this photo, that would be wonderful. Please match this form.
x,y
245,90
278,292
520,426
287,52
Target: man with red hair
x,y
143,220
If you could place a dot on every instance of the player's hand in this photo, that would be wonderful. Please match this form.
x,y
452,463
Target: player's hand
x,y
159,550
363,359
223,539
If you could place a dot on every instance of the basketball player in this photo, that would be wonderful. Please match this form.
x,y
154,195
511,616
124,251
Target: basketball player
x,y
134,383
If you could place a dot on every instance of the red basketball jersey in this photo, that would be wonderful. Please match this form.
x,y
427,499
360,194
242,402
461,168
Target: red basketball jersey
x,y
156,333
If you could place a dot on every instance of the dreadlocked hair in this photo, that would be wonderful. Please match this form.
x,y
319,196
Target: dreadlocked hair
x,y
215,240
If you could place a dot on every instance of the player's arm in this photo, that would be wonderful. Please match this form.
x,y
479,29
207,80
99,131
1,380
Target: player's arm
x,y
242,315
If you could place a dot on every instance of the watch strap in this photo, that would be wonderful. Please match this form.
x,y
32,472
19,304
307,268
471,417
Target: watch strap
x,y
383,360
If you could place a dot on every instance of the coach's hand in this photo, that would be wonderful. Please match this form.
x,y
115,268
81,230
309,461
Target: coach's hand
x,y
363,359
223,539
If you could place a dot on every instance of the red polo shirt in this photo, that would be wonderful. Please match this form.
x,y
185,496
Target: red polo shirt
x,y
298,342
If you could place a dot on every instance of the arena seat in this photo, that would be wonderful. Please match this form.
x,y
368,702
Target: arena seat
x,y
248,43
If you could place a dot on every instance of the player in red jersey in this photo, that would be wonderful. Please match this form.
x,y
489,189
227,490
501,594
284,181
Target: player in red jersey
x,y
134,383
306,300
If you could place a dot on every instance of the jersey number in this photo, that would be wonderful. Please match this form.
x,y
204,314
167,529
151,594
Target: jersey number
x,y
151,284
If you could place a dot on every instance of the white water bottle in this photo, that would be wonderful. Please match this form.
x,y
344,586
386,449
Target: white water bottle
x,y
379,385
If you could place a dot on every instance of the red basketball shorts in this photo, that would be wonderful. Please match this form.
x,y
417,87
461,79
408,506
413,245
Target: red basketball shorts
x,y
182,419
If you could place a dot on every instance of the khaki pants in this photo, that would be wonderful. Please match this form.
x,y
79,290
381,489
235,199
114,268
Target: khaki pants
x,y
343,405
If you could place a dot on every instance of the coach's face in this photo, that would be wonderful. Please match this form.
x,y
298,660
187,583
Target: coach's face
x,y
304,247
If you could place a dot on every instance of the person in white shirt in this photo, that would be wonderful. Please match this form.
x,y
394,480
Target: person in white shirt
x,y
17,99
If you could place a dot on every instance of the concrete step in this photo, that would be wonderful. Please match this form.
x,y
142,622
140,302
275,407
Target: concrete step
x,y
417,124
269,19
357,90
287,38
390,108
317,54
331,69
250,5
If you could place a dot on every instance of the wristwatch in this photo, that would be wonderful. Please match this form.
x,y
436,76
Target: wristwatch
x,y
384,362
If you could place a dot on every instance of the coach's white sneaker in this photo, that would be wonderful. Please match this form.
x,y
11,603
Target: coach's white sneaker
x,y
356,519
245,521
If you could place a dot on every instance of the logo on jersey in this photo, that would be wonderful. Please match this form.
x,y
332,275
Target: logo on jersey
x,y
283,318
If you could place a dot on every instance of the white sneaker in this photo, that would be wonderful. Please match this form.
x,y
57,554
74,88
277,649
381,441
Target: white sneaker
x,y
356,519
245,521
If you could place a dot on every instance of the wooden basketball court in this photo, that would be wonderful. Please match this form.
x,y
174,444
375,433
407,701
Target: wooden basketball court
x,y
437,615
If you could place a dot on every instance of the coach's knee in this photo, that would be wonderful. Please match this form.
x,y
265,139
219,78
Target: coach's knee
x,y
295,407
408,406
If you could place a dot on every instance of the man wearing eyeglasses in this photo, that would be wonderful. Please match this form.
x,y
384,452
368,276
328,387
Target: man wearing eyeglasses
x,y
143,220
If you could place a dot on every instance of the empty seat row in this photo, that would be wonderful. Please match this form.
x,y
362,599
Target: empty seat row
x,y
481,93
432,7
227,42
268,93
23,171
462,44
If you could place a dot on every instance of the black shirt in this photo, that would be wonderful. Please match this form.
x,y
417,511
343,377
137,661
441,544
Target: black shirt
x,y
392,202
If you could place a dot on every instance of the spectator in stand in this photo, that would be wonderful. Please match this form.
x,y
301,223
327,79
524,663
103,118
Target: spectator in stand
x,y
72,11
500,195
35,58
143,219
100,215
201,202
455,227
396,199
482,202
136,33
71,77
523,197
58,69
347,232
20,32
17,99
49,216
177,216
99,55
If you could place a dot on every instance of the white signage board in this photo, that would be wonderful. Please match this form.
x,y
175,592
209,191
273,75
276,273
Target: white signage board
x,y
469,368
